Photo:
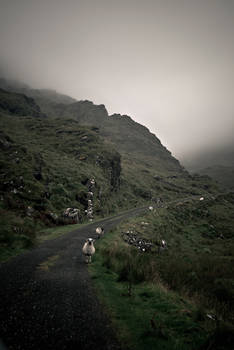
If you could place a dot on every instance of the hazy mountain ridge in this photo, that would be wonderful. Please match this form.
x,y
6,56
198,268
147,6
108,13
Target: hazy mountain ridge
x,y
18,104
223,174
48,162
218,163
37,94
129,136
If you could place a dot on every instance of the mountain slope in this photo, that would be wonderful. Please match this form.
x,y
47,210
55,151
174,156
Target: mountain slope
x,y
82,159
130,137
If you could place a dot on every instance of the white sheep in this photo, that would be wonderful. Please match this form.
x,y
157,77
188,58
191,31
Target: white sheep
x,y
88,250
99,231
162,246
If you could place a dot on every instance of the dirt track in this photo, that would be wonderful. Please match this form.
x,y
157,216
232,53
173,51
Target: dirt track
x,y
55,308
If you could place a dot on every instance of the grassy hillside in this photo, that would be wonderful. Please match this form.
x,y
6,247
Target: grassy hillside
x,y
130,137
147,166
48,162
46,167
179,296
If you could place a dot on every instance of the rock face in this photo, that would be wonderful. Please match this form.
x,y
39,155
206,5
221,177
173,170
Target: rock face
x,y
111,165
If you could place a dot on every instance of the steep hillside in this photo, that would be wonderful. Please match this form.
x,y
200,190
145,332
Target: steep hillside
x,y
82,159
130,137
147,166
49,165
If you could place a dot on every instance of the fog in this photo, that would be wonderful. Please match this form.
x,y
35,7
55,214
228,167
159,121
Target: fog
x,y
169,64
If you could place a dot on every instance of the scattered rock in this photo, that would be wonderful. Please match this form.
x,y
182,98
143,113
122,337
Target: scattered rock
x,y
140,243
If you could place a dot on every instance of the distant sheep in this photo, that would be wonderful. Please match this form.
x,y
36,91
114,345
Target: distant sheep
x,y
162,246
151,208
99,231
88,250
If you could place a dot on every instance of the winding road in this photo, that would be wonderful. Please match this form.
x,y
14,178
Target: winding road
x,y
55,307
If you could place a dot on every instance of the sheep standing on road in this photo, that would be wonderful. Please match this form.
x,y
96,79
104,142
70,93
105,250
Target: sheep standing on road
x,y
99,231
88,250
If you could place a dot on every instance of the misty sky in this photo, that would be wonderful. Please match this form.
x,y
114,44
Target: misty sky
x,y
169,64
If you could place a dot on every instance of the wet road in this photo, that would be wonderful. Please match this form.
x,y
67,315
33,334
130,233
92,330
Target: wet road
x,y
47,300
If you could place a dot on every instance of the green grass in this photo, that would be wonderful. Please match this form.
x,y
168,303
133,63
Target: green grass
x,y
191,279
152,317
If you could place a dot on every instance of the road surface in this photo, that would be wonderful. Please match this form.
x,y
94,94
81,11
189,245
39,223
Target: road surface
x,y
47,300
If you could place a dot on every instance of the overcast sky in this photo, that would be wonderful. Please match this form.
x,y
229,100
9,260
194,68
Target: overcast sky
x,y
169,64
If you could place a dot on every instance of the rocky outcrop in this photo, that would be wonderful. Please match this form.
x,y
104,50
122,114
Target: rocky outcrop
x,y
111,165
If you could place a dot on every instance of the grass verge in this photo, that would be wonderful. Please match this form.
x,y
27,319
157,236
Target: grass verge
x,y
150,317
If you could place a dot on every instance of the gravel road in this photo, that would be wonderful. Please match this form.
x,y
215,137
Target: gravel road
x,y
55,307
